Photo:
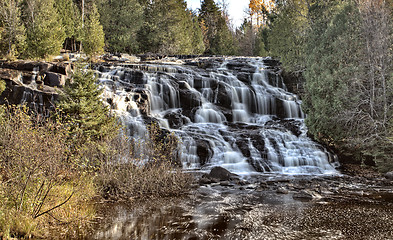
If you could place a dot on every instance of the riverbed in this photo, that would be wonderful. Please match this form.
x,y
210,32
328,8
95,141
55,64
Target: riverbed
x,y
264,206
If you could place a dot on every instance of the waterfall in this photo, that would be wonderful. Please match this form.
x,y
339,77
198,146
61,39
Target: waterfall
x,y
234,112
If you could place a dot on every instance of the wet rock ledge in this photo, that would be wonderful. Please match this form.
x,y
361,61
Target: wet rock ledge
x,y
35,83
319,188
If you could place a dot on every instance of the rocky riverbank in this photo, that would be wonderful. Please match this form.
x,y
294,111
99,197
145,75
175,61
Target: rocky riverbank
x,y
264,206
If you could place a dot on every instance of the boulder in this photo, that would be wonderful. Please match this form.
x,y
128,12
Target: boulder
x,y
203,151
54,79
27,77
389,175
223,98
141,98
27,66
176,120
134,76
305,195
244,77
61,68
221,174
190,99
282,190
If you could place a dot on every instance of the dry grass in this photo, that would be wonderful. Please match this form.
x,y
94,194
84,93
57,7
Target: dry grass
x,y
144,168
40,189
46,186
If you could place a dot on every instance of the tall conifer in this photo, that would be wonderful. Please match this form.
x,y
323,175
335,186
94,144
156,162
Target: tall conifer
x,y
218,37
45,33
93,37
121,21
12,31
168,29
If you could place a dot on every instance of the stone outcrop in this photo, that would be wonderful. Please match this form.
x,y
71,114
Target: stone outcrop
x,y
33,83
219,104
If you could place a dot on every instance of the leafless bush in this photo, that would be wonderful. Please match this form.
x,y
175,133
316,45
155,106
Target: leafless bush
x,y
143,168
35,180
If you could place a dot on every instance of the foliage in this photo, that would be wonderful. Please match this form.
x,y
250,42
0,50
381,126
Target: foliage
x,y
121,21
70,19
45,34
246,38
261,42
50,169
333,55
287,37
348,84
82,106
217,35
2,86
197,38
169,29
12,31
67,12
94,38
261,9
343,49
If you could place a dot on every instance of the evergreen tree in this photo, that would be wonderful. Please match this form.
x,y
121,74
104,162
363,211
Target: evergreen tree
x,y
94,37
168,28
70,19
218,37
121,21
287,36
12,31
197,39
83,109
261,42
45,34
349,76
246,39
332,66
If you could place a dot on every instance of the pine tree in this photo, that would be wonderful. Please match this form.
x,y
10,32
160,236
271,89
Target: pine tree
x,y
93,33
197,39
261,42
332,65
287,37
45,33
12,32
168,28
218,37
70,19
246,39
121,21
83,109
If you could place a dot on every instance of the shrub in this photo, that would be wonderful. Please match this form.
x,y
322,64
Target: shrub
x,y
36,180
144,168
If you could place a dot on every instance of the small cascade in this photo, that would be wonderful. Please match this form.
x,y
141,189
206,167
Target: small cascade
x,y
235,113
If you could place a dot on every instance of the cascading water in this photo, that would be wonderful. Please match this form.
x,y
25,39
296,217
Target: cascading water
x,y
235,113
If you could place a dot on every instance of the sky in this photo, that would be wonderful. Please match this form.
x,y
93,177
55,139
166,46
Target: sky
x,y
236,9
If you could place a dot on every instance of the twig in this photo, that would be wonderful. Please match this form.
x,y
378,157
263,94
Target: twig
x,y
57,206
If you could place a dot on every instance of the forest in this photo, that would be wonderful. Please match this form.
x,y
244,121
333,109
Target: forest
x,y
336,54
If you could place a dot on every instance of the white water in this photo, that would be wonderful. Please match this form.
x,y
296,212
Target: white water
x,y
233,120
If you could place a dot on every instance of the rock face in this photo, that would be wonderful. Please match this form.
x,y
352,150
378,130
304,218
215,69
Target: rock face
x,y
33,82
233,112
